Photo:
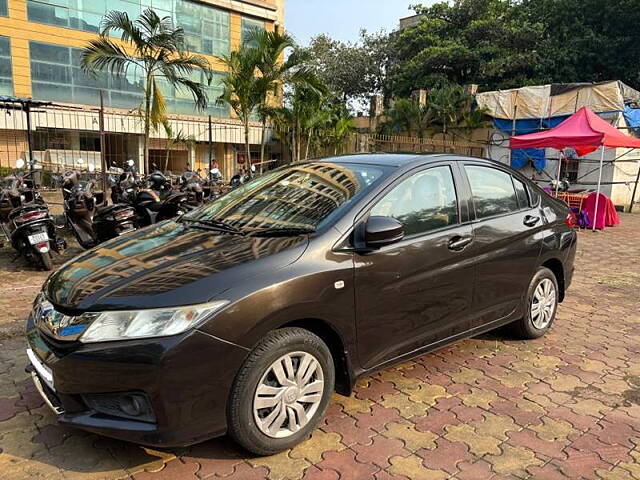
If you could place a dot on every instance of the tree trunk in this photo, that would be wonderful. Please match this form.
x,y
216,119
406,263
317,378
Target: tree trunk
x,y
263,142
306,154
247,148
147,124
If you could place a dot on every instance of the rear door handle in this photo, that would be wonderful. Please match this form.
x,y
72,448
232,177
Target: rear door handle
x,y
530,220
459,243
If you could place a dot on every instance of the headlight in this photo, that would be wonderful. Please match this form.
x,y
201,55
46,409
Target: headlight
x,y
125,325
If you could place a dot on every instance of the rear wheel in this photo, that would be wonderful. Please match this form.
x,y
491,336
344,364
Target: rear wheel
x,y
46,261
541,304
281,392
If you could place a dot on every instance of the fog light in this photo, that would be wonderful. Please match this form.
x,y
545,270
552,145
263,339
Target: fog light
x,y
131,405
135,406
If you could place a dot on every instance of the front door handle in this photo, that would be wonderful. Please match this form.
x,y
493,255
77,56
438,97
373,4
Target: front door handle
x,y
458,243
530,220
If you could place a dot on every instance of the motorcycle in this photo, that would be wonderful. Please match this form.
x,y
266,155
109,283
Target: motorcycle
x,y
25,220
191,183
90,221
152,198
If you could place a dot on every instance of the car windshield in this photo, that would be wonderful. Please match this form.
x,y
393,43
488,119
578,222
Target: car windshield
x,y
302,196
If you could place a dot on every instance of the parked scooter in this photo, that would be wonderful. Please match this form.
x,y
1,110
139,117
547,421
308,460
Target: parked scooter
x,y
158,201
25,219
91,221
152,198
191,184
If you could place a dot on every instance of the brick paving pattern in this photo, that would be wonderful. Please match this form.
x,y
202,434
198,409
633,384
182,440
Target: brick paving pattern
x,y
564,406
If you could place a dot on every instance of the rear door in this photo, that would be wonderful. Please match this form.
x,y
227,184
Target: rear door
x,y
417,291
507,241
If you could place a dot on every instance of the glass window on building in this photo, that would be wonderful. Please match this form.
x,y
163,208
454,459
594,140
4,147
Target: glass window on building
x,y
6,78
4,11
249,25
206,28
56,76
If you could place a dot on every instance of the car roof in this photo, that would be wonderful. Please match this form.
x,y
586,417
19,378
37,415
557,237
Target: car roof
x,y
402,159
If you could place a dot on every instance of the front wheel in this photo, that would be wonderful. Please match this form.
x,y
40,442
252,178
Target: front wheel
x,y
281,391
541,304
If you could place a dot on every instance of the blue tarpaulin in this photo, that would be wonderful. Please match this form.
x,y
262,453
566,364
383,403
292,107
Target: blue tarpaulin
x,y
522,156
632,116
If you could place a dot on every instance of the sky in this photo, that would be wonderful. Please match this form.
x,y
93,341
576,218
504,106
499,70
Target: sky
x,y
343,19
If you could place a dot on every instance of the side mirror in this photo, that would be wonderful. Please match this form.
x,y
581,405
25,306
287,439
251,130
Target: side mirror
x,y
381,231
19,163
253,168
79,161
92,168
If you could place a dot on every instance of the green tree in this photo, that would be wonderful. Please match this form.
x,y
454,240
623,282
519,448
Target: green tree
x,y
243,90
468,41
352,70
276,71
154,47
405,116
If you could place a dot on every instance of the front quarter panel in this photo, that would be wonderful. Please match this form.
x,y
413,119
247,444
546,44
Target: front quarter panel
x,y
316,288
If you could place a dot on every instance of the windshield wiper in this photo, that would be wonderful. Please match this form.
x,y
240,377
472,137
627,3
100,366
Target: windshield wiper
x,y
282,232
217,225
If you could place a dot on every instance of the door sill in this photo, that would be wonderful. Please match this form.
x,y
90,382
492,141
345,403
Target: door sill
x,y
441,343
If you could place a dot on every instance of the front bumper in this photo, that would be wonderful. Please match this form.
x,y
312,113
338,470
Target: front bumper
x,y
185,377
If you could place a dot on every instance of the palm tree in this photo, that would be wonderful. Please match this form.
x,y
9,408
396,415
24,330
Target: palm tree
x,y
243,89
407,116
270,48
340,131
155,48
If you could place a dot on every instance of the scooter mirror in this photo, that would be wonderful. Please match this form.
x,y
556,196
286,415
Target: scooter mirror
x,y
253,168
130,162
92,168
80,161
215,171
19,163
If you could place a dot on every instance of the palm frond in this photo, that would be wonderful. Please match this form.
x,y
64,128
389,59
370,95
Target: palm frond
x,y
120,22
103,54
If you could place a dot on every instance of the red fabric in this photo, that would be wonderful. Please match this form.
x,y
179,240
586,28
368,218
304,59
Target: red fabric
x,y
607,214
584,131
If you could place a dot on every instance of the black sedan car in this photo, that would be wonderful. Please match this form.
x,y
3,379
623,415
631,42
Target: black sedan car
x,y
244,315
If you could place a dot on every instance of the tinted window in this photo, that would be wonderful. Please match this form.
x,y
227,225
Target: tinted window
x,y
299,196
492,190
423,202
534,195
3,8
521,193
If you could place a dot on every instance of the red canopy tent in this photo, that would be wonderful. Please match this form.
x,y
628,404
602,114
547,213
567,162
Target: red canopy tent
x,y
585,132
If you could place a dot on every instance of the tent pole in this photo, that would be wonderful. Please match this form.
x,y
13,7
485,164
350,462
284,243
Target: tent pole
x,y
559,169
595,213
635,189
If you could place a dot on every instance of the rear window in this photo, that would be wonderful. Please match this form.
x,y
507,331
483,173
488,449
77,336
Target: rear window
x,y
521,193
492,191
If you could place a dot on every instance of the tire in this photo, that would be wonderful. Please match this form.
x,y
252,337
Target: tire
x,y
543,290
46,261
288,426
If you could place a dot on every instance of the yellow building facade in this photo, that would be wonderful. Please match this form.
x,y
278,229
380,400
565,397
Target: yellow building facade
x,y
40,43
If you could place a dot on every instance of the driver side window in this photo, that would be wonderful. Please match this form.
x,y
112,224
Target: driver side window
x,y
423,202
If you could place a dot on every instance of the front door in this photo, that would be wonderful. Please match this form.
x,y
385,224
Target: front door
x,y
507,240
417,291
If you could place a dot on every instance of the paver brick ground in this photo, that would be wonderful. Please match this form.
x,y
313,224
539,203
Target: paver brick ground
x,y
564,406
